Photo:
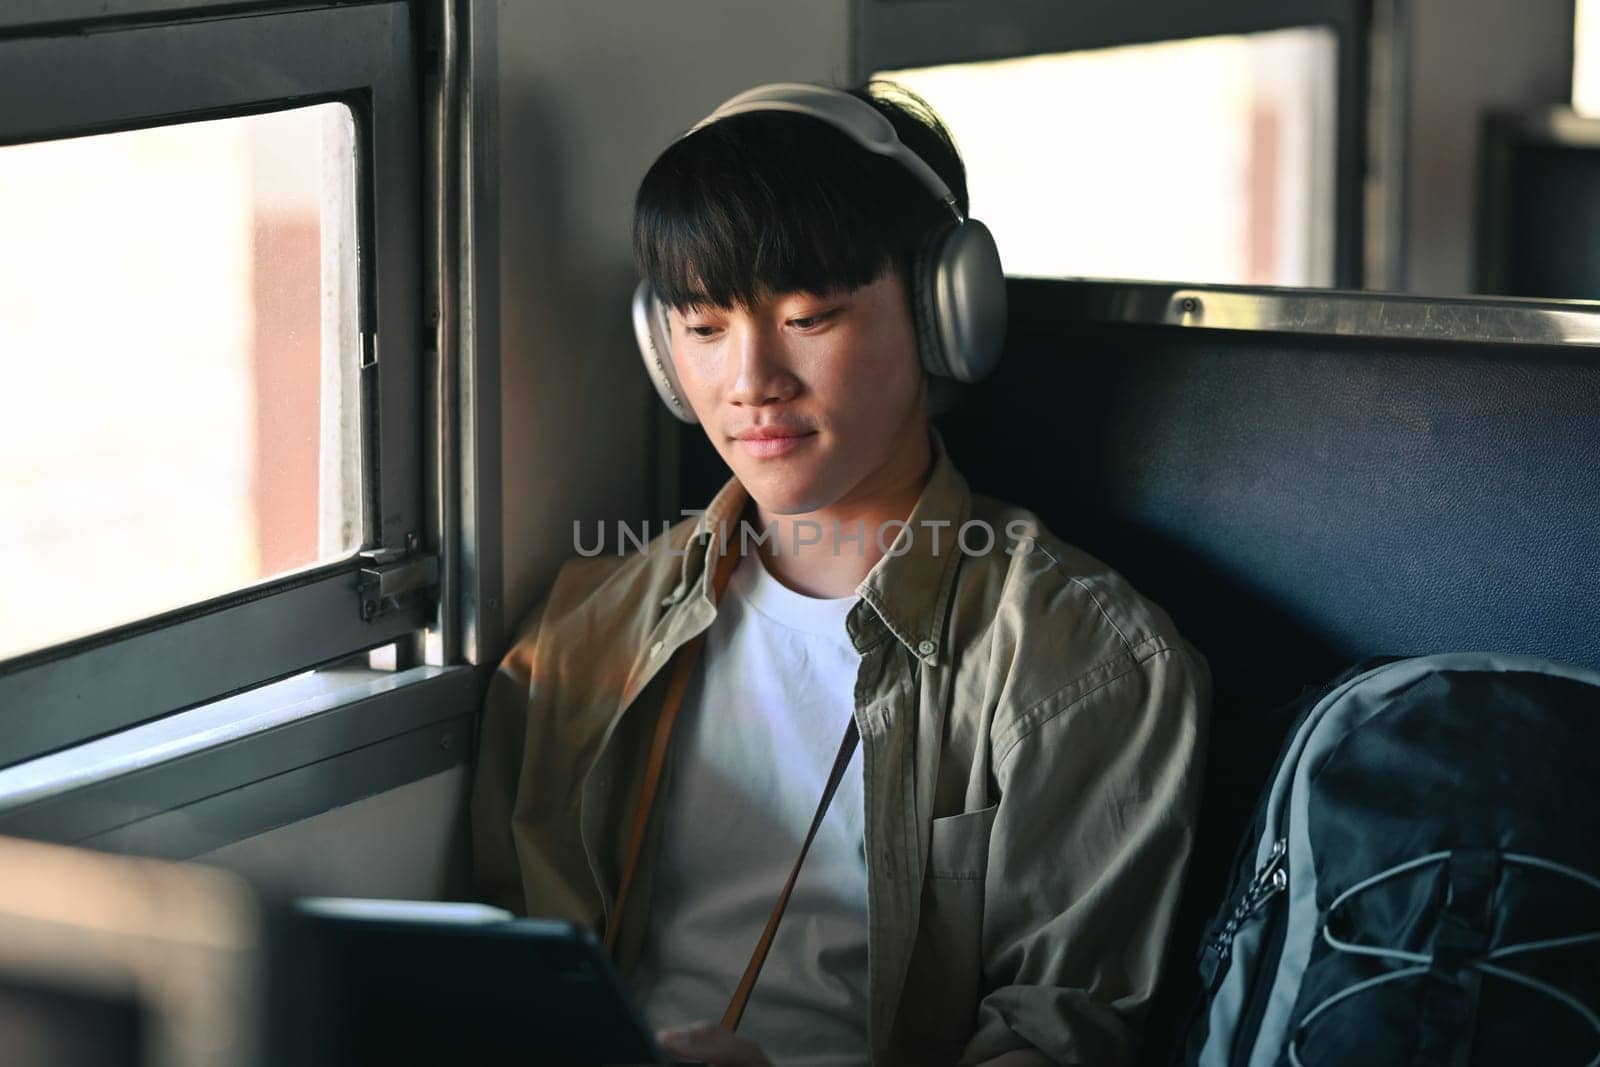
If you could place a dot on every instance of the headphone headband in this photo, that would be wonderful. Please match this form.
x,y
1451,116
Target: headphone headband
x,y
852,116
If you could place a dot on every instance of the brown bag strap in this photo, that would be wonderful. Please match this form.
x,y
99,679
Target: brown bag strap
x,y
677,686
747,984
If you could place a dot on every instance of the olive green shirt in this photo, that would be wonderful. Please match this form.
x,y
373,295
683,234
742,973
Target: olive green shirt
x,y
1032,732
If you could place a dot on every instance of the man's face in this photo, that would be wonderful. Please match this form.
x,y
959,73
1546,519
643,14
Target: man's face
x,y
813,401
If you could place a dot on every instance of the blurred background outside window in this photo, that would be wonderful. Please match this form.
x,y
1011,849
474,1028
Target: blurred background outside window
x,y
179,360
1586,59
1205,160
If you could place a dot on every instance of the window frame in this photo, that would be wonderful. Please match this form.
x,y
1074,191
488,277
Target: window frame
x,y
64,84
1505,134
896,34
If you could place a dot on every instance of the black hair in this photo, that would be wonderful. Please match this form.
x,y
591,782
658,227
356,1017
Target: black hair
x,y
772,202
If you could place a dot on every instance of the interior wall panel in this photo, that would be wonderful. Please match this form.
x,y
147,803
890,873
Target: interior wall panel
x,y
408,843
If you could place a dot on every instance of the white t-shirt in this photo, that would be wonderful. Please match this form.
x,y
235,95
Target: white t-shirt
x,y
758,734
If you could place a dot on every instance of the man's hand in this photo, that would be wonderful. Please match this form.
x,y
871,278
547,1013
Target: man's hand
x,y
711,1044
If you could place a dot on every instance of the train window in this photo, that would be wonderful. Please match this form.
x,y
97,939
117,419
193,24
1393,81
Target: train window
x,y
198,431
1209,159
213,437
1356,145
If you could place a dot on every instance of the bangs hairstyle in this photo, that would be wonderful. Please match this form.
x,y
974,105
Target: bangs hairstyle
x,y
772,202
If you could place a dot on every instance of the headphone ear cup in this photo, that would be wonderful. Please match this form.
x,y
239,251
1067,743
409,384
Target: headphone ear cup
x,y
963,299
924,305
651,329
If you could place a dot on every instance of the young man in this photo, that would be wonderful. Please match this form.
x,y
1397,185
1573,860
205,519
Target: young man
x,y
995,878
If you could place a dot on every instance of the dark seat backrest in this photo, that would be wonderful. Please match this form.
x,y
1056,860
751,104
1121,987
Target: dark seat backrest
x,y
1300,502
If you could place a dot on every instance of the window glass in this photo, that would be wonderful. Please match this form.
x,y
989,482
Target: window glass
x,y
1586,59
1206,160
179,351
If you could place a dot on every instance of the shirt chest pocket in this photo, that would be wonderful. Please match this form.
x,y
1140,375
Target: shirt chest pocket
x,y
938,1008
958,845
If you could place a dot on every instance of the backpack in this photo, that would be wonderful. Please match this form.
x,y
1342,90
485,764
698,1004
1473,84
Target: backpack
x,y
1421,880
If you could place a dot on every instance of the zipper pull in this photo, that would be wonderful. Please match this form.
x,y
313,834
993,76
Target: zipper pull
x,y
1272,879
1275,885
1269,881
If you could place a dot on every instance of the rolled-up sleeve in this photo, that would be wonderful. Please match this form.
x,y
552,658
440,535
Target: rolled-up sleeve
x,y
1099,794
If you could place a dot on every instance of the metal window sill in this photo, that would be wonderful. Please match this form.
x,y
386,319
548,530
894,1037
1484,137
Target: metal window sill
x,y
201,778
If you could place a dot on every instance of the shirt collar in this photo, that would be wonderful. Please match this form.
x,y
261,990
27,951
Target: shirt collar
x,y
716,529
908,589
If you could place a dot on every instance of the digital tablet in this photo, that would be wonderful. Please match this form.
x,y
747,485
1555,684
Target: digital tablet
x,y
416,982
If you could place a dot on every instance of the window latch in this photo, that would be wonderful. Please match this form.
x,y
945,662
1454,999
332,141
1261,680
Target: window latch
x,y
390,575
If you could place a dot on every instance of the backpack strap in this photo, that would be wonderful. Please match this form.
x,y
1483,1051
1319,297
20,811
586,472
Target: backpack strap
x,y
847,746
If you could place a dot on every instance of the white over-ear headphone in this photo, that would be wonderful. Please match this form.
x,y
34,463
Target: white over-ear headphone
x,y
958,291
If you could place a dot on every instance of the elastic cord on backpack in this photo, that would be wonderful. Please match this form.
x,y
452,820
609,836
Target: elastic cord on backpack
x,y
1422,963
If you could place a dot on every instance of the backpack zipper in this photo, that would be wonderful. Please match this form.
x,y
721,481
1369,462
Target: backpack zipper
x,y
1270,880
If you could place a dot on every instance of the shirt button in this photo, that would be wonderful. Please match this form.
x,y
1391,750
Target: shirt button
x,y
655,649
926,648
